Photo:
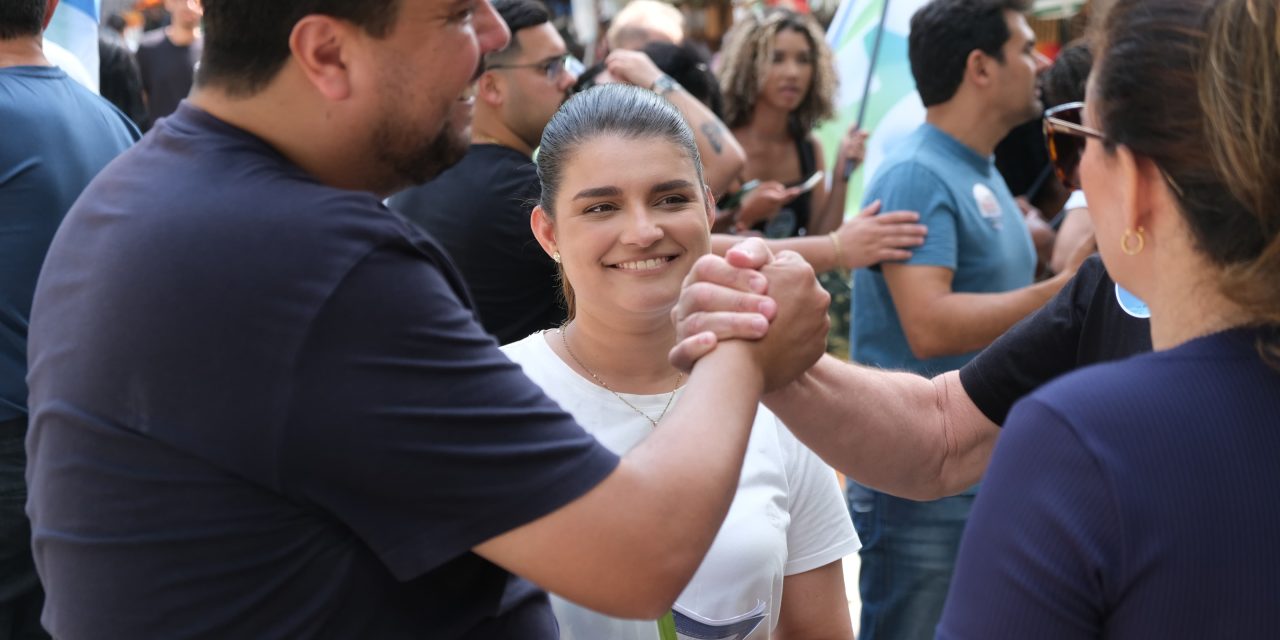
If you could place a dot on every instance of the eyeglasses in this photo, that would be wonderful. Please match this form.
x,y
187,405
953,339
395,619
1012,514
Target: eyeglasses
x,y
554,67
1066,137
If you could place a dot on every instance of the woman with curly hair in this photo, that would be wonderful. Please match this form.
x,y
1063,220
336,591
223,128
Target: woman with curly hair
x,y
778,81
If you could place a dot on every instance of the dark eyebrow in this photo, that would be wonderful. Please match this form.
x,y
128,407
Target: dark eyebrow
x,y
598,192
671,185
607,192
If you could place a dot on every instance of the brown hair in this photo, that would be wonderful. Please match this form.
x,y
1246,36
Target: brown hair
x,y
1157,57
1067,79
744,63
1241,97
616,109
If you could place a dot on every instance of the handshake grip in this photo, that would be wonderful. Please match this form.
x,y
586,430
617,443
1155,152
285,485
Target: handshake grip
x,y
774,303
797,336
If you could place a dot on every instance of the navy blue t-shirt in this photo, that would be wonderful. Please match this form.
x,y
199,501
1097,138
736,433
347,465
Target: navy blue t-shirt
x,y
54,137
478,210
1135,499
262,408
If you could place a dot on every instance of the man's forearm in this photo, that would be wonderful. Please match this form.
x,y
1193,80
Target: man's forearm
x,y
818,251
960,323
898,432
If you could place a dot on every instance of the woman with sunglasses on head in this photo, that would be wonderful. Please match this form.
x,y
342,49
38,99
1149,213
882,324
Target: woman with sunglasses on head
x,y
1145,490
625,235
1064,83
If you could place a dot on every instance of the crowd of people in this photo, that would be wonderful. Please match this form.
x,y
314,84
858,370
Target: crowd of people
x,y
147,75
404,323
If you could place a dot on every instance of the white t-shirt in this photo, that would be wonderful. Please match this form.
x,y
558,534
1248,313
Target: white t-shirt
x,y
1076,201
788,515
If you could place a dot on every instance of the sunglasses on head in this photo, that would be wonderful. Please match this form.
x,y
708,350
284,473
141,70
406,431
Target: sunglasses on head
x,y
1065,137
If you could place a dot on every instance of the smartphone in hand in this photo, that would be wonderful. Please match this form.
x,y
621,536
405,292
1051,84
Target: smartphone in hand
x,y
811,182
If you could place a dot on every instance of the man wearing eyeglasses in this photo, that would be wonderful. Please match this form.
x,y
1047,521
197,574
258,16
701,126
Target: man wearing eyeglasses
x,y
479,209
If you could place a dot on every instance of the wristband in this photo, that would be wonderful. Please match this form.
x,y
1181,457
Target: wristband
x,y
835,242
664,84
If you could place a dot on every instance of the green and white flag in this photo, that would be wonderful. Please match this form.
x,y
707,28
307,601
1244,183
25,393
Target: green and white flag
x,y
893,107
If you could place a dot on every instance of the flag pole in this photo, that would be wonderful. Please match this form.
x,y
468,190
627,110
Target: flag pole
x,y
866,88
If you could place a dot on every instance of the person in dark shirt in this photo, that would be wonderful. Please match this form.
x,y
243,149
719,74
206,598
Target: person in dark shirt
x,y
1103,467
119,79
167,58
1106,470
56,136
1144,490
479,208
262,407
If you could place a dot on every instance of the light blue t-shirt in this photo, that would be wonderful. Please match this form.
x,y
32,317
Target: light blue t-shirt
x,y
54,138
975,229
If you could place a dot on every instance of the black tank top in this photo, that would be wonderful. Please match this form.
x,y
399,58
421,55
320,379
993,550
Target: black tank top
x,y
793,219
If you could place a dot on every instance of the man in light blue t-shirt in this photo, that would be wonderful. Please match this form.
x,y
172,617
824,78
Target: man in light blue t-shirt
x,y
55,136
978,243
975,66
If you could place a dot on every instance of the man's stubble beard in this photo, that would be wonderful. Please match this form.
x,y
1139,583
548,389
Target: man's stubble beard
x,y
408,160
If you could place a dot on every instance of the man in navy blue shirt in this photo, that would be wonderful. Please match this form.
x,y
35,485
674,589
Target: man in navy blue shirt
x,y
57,136
262,405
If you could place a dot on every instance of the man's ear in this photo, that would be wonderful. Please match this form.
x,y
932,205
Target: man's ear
x,y
544,229
491,89
977,68
321,49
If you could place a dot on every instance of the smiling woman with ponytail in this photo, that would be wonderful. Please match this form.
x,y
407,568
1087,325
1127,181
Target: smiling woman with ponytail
x,y
1138,499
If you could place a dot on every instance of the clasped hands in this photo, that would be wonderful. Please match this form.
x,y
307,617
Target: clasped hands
x,y
773,301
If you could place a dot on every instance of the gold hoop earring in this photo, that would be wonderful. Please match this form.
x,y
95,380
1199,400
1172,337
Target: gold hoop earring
x,y
555,256
1133,242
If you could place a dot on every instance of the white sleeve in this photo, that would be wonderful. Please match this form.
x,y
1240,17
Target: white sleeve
x,y
821,531
1076,201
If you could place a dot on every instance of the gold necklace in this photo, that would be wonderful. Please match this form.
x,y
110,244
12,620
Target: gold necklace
x,y
679,377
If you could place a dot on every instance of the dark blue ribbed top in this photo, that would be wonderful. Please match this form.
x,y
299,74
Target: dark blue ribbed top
x,y
1136,499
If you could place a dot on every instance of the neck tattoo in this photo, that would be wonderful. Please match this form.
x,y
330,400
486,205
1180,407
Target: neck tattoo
x,y
653,421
